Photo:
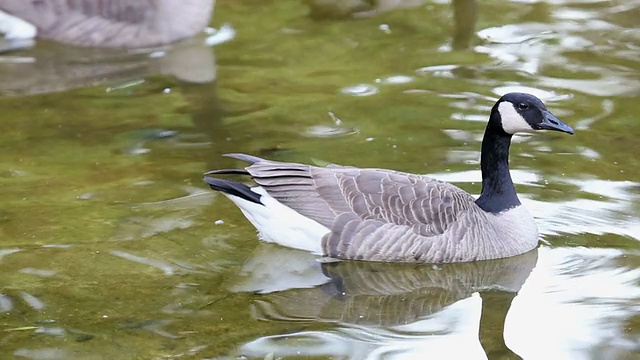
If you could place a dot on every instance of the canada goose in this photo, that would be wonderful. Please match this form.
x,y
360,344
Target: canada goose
x,y
384,215
117,24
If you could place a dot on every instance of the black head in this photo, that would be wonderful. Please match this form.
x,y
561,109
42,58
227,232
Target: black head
x,y
520,112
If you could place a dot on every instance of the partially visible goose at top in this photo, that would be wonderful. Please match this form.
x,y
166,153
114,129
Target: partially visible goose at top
x,y
106,23
385,215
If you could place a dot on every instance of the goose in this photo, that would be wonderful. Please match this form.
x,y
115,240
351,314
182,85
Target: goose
x,y
112,24
349,213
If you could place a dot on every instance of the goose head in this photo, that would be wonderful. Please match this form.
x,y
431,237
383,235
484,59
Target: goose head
x,y
519,112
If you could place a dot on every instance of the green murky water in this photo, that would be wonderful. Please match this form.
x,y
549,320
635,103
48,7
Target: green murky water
x,y
112,248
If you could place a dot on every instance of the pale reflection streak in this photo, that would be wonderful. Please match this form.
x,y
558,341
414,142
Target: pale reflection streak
x,y
161,265
38,272
33,301
43,353
525,47
586,216
5,252
369,90
583,297
6,304
178,212
607,110
169,267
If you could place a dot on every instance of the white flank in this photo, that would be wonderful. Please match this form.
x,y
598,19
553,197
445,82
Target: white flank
x,y
281,224
512,121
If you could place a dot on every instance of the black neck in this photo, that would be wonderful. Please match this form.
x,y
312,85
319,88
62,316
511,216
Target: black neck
x,y
498,192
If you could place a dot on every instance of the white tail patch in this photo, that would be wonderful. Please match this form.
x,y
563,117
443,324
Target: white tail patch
x,y
15,28
512,121
280,224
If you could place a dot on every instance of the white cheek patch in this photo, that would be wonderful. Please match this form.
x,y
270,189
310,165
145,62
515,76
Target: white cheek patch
x,y
512,121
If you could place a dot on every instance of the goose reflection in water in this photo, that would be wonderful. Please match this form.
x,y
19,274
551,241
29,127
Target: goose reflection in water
x,y
382,310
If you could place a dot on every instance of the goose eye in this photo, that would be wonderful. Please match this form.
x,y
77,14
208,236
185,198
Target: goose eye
x,y
523,106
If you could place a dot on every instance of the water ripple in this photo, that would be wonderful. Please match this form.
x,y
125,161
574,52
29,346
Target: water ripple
x,y
563,279
165,267
360,90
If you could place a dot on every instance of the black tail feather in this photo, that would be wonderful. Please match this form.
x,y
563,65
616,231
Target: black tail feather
x,y
227,172
233,188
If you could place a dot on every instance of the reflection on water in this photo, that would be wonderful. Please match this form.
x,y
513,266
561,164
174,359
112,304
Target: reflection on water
x,y
382,310
111,247
583,293
54,67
